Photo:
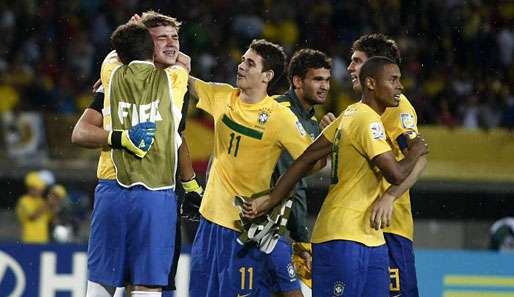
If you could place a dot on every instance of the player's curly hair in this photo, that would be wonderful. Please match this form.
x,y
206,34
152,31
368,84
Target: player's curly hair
x,y
273,58
306,59
132,42
377,44
152,19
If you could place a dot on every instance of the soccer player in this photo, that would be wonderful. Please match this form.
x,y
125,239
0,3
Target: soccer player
x,y
128,243
89,131
399,228
251,130
309,77
348,255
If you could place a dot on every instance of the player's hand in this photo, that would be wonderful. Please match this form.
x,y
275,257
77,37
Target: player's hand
x,y
417,146
135,19
190,208
303,253
302,261
382,211
137,140
326,120
257,207
184,61
96,86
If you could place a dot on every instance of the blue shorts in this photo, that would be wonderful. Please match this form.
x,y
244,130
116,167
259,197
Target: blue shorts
x,y
281,273
221,267
402,268
350,269
132,237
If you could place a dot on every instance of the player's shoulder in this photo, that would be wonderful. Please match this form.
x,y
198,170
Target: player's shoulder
x,y
405,105
282,99
176,70
360,111
282,108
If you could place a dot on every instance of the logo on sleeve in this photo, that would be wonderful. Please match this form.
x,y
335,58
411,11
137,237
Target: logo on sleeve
x,y
407,120
377,131
300,128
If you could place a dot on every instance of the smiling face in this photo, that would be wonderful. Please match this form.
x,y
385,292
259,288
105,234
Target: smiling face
x,y
166,45
388,87
313,88
249,71
357,59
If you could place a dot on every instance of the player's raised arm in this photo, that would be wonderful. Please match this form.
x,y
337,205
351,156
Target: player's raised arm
x,y
315,152
88,131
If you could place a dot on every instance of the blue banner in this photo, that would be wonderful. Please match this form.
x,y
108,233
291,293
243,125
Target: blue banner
x,y
61,271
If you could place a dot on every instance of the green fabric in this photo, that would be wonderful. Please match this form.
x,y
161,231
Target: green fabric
x,y
139,92
241,129
297,224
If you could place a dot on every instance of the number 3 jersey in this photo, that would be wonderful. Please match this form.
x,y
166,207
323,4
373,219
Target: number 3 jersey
x,y
249,139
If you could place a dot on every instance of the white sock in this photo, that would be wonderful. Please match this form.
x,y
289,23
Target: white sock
x,y
146,294
119,292
99,290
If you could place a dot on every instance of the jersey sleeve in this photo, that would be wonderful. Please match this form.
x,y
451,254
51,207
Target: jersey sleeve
x,y
330,131
369,135
110,63
208,93
178,77
401,120
98,101
291,134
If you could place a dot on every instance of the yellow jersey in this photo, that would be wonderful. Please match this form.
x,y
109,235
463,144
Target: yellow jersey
x,y
33,231
177,76
357,136
249,139
398,120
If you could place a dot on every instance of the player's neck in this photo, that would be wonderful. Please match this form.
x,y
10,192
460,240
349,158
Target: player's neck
x,y
306,105
370,100
253,95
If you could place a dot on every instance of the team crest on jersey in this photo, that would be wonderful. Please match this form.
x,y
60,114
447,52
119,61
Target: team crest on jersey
x,y
263,117
291,272
300,128
338,288
377,131
407,120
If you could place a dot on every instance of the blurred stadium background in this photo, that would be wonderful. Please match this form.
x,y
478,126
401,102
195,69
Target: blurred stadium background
x,y
457,70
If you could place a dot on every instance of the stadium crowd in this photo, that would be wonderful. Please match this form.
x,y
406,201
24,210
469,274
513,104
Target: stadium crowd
x,y
457,64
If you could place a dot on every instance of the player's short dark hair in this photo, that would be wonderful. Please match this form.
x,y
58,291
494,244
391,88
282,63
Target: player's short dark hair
x,y
372,68
152,19
132,42
273,58
306,59
377,44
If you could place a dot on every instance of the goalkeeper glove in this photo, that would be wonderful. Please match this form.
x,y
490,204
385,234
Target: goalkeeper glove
x,y
190,208
136,140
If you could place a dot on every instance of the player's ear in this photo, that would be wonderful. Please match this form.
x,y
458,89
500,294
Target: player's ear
x,y
297,82
268,76
370,83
